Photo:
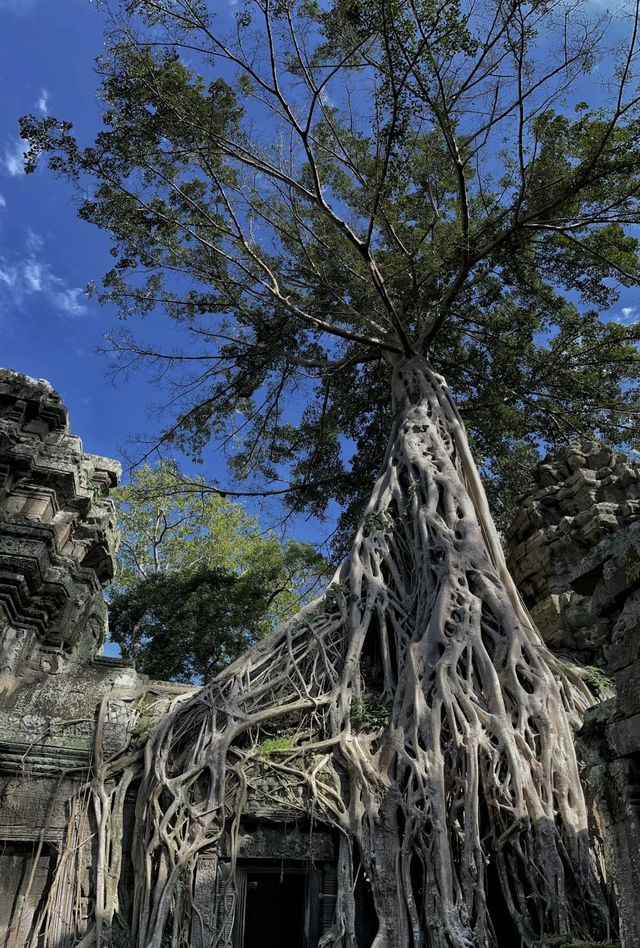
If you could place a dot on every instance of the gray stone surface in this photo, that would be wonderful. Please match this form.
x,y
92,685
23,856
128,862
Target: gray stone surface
x,y
611,572
575,555
582,496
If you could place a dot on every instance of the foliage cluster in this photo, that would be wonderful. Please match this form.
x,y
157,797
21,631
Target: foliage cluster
x,y
368,713
197,580
271,744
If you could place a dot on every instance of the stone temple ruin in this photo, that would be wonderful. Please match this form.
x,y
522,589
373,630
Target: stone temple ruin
x,y
574,553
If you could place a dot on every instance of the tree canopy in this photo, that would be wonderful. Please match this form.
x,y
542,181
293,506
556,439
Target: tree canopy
x,y
323,182
197,580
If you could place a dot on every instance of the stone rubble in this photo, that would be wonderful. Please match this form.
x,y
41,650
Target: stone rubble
x,y
574,552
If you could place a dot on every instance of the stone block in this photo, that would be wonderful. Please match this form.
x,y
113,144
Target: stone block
x,y
547,475
574,459
577,611
624,647
624,841
623,652
601,457
628,690
546,615
597,527
624,736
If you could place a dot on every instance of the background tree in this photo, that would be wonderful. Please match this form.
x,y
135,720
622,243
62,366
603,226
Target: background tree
x,y
197,580
345,202
187,626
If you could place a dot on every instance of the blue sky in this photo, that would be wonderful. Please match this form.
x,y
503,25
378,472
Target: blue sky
x,y
48,327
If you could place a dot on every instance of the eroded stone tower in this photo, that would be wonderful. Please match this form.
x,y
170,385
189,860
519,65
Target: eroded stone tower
x,y
57,536
57,546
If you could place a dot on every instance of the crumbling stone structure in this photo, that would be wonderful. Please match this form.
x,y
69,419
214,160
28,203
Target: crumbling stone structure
x,y
581,495
610,578
57,542
575,556
574,552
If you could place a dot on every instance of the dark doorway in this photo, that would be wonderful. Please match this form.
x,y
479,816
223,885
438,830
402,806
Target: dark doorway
x,y
366,918
274,910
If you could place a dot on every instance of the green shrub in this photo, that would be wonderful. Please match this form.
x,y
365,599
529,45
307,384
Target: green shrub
x,y
271,744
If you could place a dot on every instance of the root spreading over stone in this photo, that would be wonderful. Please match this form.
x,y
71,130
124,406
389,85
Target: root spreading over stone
x,y
416,711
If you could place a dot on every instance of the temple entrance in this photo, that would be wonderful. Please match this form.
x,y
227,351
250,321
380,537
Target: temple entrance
x,y
274,910
282,893
277,906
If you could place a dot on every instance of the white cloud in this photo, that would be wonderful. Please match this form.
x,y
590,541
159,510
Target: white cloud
x,y
43,102
7,276
69,301
326,99
3,202
628,316
13,158
34,241
31,275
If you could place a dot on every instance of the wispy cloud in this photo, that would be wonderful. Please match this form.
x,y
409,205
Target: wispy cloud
x,y
31,275
3,201
17,6
13,157
34,241
42,104
70,300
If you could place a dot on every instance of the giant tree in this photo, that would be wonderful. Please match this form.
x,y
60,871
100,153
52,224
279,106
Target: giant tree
x,y
347,202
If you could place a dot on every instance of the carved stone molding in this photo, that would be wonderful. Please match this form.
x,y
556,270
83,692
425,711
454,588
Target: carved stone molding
x,y
57,534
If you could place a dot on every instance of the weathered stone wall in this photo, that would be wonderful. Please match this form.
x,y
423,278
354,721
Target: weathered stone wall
x,y
575,556
581,495
57,547
610,577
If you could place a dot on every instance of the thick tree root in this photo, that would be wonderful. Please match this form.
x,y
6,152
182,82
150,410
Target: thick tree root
x,y
424,720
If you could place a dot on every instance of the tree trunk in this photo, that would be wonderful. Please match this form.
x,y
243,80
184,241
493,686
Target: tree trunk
x,y
426,720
